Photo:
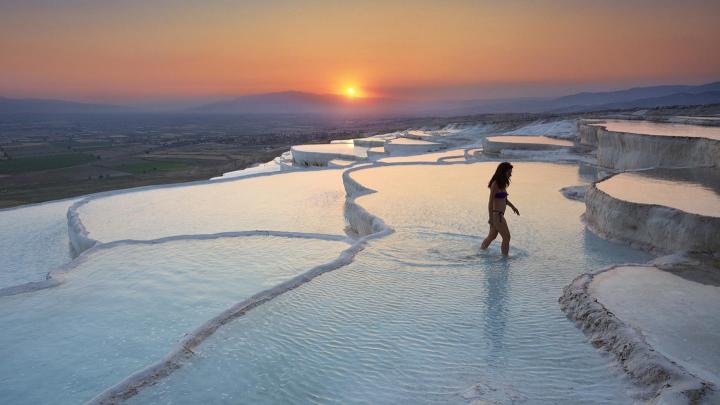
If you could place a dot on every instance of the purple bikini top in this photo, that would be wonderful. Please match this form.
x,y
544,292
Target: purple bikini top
x,y
501,194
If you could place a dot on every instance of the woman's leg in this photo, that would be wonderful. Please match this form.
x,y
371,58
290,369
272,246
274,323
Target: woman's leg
x,y
491,237
502,228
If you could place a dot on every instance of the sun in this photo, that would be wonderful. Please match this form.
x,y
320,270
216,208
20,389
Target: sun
x,y
350,91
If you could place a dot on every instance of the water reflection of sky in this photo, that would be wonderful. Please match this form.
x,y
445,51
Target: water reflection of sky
x,y
695,191
661,128
497,290
423,315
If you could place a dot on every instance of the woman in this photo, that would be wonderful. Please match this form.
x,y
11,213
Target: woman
x,y
496,207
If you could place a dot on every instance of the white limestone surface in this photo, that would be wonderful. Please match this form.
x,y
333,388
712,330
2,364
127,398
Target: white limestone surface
x,y
124,307
33,241
370,142
496,144
425,157
565,129
321,154
677,317
661,129
667,210
422,316
670,188
407,146
338,163
634,144
587,132
423,135
304,201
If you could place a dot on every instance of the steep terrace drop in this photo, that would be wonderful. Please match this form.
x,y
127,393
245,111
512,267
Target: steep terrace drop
x,y
667,209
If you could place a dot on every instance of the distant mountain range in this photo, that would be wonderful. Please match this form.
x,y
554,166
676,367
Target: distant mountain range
x,y
294,102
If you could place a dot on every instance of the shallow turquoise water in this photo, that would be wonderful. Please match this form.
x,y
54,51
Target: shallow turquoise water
x,y
123,308
292,202
423,316
33,241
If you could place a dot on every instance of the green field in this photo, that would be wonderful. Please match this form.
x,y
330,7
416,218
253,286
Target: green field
x,y
35,163
147,166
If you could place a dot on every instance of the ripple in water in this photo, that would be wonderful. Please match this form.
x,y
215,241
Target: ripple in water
x,y
423,317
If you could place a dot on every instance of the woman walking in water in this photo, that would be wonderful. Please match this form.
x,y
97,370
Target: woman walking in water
x,y
496,207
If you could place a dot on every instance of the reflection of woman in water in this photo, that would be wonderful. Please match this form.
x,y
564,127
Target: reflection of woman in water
x,y
496,207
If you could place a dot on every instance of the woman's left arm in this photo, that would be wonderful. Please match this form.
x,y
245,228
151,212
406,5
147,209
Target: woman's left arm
x,y
517,212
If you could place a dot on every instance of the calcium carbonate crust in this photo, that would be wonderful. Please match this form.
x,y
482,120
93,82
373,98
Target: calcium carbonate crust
x,y
628,151
496,146
665,382
576,193
362,224
650,227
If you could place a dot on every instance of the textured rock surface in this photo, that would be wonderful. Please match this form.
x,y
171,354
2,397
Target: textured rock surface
x,y
588,133
574,192
496,144
320,155
406,146
665,381
626,151
650,226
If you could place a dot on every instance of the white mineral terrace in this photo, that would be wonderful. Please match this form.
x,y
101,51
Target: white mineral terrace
x,y
671,210
201,292
678,317
425,157
662,188
660,129
627,145
370,141
321,154
419,134
535,140
496,144
405,145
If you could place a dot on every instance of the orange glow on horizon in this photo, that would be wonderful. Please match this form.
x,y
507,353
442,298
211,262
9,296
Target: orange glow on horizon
x,y
133,50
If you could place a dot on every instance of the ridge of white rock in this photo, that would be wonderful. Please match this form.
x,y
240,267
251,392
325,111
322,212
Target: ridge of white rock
x,y
667,309
370,142
57,275
408,146
363,224
321,154
666,382
574,192
650,226
587,131
626,151
497,144
79,236
561,129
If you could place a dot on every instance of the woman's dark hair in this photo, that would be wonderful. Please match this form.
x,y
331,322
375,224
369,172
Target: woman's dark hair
x,y
501,177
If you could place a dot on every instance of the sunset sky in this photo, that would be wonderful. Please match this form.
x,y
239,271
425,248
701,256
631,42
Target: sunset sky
x,y
120,51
